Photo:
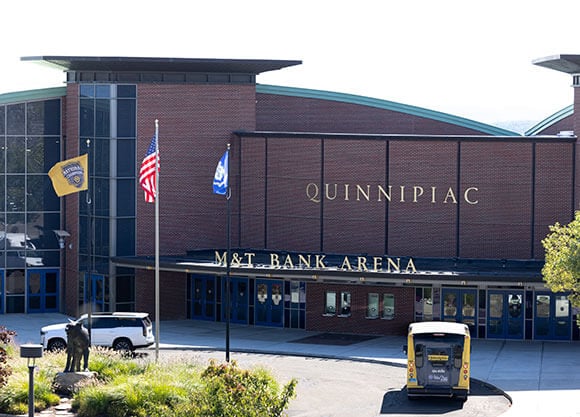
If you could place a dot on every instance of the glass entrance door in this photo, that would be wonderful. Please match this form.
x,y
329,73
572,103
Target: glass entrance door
x,y
203,299
460,305
505,314
238,299
42,291
552,317
95,290
269,303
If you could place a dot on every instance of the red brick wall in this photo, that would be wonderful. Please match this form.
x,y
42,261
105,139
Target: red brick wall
x,y
70,129
499,226
521,188
195,124
357,322
172,294
299,114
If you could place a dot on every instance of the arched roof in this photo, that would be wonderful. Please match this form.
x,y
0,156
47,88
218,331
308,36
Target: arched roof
x,y
550,120
386,105
31,95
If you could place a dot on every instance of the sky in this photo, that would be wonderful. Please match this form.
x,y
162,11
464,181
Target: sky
x,y
464,57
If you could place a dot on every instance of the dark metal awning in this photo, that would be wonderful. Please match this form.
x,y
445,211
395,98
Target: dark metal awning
x,y
426,270
141,64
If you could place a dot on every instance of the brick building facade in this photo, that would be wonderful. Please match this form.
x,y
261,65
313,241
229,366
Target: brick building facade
x,y
347,214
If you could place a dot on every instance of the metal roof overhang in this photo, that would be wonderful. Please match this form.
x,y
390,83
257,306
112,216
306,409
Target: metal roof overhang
x,y
338,275
124,64
569,64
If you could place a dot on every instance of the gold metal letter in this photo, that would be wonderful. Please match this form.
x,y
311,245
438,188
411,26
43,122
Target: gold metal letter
x,y
417,192
466,195
450,195
326,187
312,192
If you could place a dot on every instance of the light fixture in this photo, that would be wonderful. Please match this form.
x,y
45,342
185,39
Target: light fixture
x,y
60,235
31,352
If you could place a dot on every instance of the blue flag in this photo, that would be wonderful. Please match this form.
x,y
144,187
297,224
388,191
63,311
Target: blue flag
x,y
220,179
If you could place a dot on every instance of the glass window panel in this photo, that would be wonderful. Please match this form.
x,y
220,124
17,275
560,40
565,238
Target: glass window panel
x,y
100,165
15,119
294,292
125,289
126,118
450,304
562,306
496,305
330,303
15,304
2,119
49,257
345,303
15,222
373,305
427,303
40,195
15,193
388,306
127,91
33,283
42,153
43,117
468,308
543,306
125,237
103,118
126,197
515,305
40,228
101,237
87,90
2,194
126,158
87,117
15,154
102,90
2,154
101,196
51,282
50,302
15,282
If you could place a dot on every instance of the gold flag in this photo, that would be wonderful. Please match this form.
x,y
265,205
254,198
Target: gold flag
x,y
70,176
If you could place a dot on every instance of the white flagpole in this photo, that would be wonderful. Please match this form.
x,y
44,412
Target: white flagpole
x,y
157,240
228,263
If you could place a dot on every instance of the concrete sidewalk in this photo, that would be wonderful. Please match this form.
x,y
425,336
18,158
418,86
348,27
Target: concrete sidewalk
x,y
542,378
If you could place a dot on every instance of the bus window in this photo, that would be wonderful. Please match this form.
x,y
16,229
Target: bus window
x,y
419,355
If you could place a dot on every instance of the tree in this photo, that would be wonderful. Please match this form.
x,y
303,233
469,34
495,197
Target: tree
x,y
561,270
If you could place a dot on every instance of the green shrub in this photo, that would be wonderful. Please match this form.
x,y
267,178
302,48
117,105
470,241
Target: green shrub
x,y
137,387
231,391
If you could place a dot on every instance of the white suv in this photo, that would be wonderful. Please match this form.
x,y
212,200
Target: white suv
x,y
120,331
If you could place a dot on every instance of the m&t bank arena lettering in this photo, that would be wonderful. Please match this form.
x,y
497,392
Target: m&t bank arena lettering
x,y
390,194
318,261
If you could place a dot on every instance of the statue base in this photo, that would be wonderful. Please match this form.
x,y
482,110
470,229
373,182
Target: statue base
x,y
67,382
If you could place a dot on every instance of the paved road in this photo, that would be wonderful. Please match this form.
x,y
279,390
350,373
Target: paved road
x,y
345,388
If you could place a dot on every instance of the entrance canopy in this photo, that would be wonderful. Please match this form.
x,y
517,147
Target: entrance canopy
x,y
348,269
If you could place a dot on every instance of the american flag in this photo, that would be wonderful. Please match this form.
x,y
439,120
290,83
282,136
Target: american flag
x,y
147,173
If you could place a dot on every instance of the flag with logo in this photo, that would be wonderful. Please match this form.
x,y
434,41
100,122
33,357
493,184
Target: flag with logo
x,y
70,176
148,171
220,179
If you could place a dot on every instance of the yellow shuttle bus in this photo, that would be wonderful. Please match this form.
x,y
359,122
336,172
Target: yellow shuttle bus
x,y
438,358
